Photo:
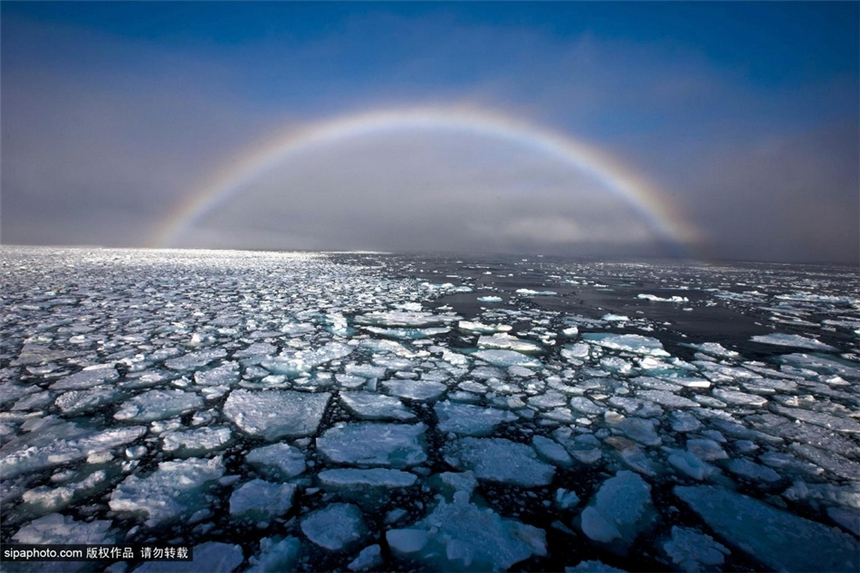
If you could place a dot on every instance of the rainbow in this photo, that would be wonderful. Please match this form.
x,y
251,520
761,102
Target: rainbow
x,y
662,217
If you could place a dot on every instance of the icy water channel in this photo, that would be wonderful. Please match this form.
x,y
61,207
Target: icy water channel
x,y
314,412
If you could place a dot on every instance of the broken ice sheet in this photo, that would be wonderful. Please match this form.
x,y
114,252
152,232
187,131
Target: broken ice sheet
x,y
458,536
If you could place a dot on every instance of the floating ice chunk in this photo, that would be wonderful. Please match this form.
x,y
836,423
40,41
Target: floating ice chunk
x,y
275,554
583,447
693,551
195,360
175,487
655,298
848,520
619,511
392,445
47,499
843,368
552,451
507,342
415,389
506,358
400,318
408,333
795,340
371,406
406,541
63,529
684,422
277,461
499,460
635,343
464,481
788,542
489,299
530,292
369,558
578,351
211,557
706,449
752,470
586,406
256,349
565,499
547,400
76,402
739,398
35,401
470,420
195,442
593,567
260,500
275,414
375,477
87,378
459,536
158,405
668,399
640,430
303,361
57,442
226,374
615,317
846,425
687,463
481,328
830,461
336,527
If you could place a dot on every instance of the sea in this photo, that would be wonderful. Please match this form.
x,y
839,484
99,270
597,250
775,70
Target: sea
x,y
357,411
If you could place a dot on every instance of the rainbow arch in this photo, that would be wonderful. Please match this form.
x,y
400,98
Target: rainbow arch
x,y
663,218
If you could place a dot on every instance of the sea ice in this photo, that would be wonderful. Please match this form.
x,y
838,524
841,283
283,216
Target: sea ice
x,y
458,536
278,461
634,343
778,539
335,527
195,359
505,358
377,444
619,511
371,406
158,405
499,460
466,419
692,551
369,558
415,389
76,402
794,340
57,442
366,478
87,378
275,414
507,342
552,451
276,554
260,500
175,487
195,442
63,529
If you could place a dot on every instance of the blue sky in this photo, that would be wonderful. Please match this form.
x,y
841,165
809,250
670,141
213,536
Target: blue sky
x,y
743,114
